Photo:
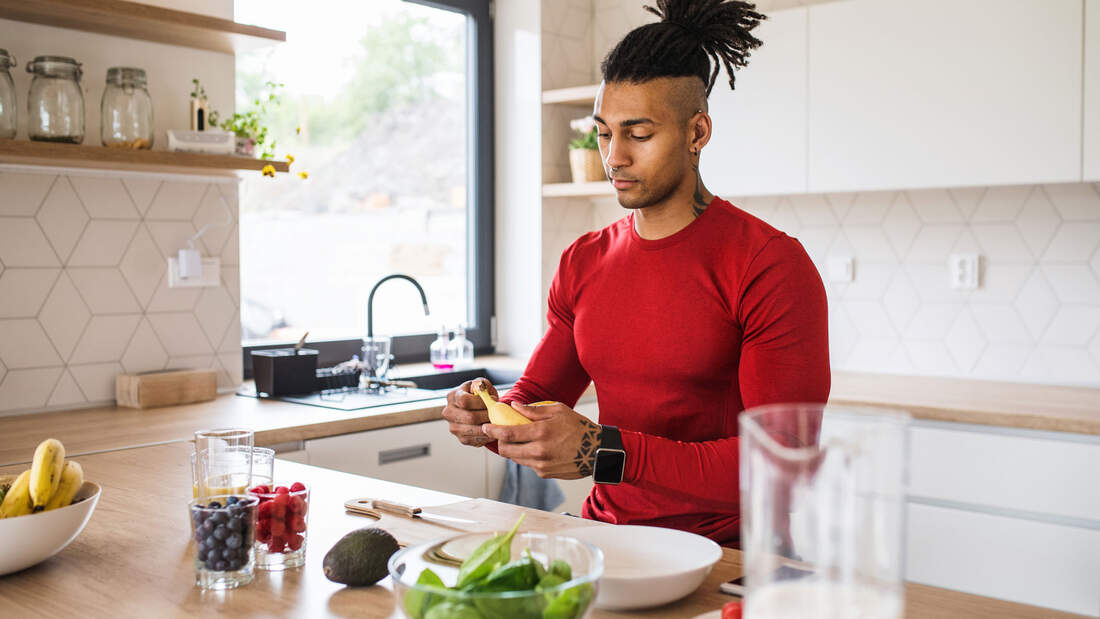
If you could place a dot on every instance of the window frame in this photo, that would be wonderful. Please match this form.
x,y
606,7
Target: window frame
x,y
480,286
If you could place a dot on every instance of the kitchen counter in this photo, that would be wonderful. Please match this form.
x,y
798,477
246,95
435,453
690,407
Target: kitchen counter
x,y
91,430
134,558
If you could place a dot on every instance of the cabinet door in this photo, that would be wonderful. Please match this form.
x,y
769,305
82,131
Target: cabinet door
x,y
1092,90
943,93
758,144
1012,559
424,455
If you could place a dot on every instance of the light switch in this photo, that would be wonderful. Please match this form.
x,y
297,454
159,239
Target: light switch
x,y
841,269
962,270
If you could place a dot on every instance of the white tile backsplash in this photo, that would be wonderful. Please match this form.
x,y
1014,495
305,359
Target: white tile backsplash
x,y
83,286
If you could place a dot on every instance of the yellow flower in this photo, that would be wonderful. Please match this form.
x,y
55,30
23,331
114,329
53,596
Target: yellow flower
x,y
290,158
298,131
303,175
269,170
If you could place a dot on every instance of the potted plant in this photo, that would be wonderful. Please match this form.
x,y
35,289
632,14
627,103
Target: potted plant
x,y
584,152
250,127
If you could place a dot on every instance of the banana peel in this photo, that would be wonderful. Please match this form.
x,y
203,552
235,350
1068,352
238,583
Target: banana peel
x,y
17,501
72,478
499,413
49,459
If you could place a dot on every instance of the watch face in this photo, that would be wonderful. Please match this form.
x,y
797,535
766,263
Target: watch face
x,y
609,466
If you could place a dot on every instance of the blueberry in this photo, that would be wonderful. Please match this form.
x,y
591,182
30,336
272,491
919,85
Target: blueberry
x,y
233,541
203,554
220,566
229,553
214,505
235,525
210,563
235,564
232,500
221,533
208,526
210,542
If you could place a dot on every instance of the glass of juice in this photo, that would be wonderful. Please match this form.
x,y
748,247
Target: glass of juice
x,y
223,461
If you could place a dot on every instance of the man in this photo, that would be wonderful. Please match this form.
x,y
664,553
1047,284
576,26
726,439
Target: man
x,y
683,314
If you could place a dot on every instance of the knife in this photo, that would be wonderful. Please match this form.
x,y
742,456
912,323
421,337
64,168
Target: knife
x,y
366,506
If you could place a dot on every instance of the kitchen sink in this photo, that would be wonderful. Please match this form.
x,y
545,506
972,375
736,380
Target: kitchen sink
x,y
450,380
428,387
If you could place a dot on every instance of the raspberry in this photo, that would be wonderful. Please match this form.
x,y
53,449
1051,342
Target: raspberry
x,y
297,505
281,490
260,490
298,524
295,541
264,511
278,528
297,486
277,544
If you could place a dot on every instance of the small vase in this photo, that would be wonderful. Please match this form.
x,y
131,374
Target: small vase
x,y
586,165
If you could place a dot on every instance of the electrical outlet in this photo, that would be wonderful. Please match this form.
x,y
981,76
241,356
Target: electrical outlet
x,y
962,270
841,269
211,274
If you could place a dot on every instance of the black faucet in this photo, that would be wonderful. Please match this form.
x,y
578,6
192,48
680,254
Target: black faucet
x,y
370,299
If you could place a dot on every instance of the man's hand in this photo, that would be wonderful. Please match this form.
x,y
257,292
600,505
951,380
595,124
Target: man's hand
x,y
561,443
466,413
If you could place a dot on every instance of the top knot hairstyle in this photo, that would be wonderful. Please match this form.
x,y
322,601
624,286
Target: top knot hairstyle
x,y
690,34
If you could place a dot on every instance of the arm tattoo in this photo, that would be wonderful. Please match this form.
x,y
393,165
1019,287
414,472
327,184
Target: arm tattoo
x,y
590,442
699,204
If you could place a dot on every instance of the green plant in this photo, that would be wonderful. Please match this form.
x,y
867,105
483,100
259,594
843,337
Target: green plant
x,y
253,123
587,128
198,91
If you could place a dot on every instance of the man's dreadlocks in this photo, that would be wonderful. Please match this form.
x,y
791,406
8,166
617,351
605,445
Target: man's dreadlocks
x,y
689,36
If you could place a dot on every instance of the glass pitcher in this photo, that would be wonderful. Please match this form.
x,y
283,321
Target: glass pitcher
x,y
823,511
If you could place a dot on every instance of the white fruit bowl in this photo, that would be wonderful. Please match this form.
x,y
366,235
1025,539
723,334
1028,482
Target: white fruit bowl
x,y
31,539
648,566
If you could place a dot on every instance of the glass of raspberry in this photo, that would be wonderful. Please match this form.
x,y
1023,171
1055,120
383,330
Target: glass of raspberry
x,y
281,526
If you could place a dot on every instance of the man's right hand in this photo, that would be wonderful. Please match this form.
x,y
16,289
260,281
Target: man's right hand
x,y
466,412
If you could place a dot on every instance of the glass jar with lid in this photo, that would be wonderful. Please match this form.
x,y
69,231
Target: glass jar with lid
x,y
126,111
55,106
8,116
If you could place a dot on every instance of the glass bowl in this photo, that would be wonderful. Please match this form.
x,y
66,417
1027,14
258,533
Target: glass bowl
x,y
569,600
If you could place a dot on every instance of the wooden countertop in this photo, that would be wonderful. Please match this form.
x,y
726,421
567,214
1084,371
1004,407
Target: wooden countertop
x,y
1035,407
134,558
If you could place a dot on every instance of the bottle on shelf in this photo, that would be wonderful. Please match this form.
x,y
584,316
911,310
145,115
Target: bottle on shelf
x,y
438,352
461,350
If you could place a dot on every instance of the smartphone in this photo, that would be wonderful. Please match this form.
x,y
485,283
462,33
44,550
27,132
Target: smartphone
x,y
785,572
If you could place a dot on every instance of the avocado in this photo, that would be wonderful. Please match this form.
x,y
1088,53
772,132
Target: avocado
x,y
359,559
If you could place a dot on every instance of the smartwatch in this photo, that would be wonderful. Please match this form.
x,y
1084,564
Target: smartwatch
x,y
610,457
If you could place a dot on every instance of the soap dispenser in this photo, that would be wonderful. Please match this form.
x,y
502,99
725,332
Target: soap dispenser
x,y
461,350
437,352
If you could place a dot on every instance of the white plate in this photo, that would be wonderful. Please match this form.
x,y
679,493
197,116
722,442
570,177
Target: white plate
x,y
648,566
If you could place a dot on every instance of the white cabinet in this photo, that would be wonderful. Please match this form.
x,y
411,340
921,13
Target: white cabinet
x,y
943,93
1092,91
758,145
1005,513
425,455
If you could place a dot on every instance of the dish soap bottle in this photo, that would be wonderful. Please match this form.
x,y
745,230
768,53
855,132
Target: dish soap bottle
x,y
461,350
437,352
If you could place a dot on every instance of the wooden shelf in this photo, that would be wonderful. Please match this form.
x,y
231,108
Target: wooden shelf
x,y
578,190
578,95
141,21
75,155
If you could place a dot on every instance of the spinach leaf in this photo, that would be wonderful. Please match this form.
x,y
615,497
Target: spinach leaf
x,y
417,603
453,610
540,571
570,604
491,553
562,569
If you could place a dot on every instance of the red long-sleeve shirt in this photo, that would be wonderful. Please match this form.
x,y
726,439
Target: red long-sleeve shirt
x,y
679,335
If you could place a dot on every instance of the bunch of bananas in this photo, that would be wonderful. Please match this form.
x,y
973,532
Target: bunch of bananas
x,y
51,482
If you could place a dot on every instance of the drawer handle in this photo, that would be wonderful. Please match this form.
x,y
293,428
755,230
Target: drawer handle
x,y
404,453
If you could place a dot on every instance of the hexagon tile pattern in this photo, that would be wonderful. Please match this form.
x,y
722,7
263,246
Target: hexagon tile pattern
x,y
81,278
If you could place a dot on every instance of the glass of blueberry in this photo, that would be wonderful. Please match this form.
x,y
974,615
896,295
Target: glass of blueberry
x,y
225,536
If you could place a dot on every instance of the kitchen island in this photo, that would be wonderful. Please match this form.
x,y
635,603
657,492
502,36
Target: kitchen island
x,y
134,558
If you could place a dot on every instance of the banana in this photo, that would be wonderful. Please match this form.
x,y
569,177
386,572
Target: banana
x,y
499,412
72,478
49,458
17,502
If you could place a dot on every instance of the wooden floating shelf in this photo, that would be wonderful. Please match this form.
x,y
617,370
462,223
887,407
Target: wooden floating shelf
x,y
578,190
578,95
141,21
78,156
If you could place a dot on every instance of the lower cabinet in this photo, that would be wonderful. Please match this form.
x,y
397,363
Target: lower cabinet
x,y
425,455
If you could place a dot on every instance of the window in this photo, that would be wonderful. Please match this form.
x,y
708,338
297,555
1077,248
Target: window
x,y
387,106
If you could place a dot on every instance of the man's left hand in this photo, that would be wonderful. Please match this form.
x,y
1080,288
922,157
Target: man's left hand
x,y
559,443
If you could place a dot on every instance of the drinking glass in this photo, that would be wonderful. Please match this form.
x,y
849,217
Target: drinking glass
x,y
225,533
376,356
823,489
223,461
